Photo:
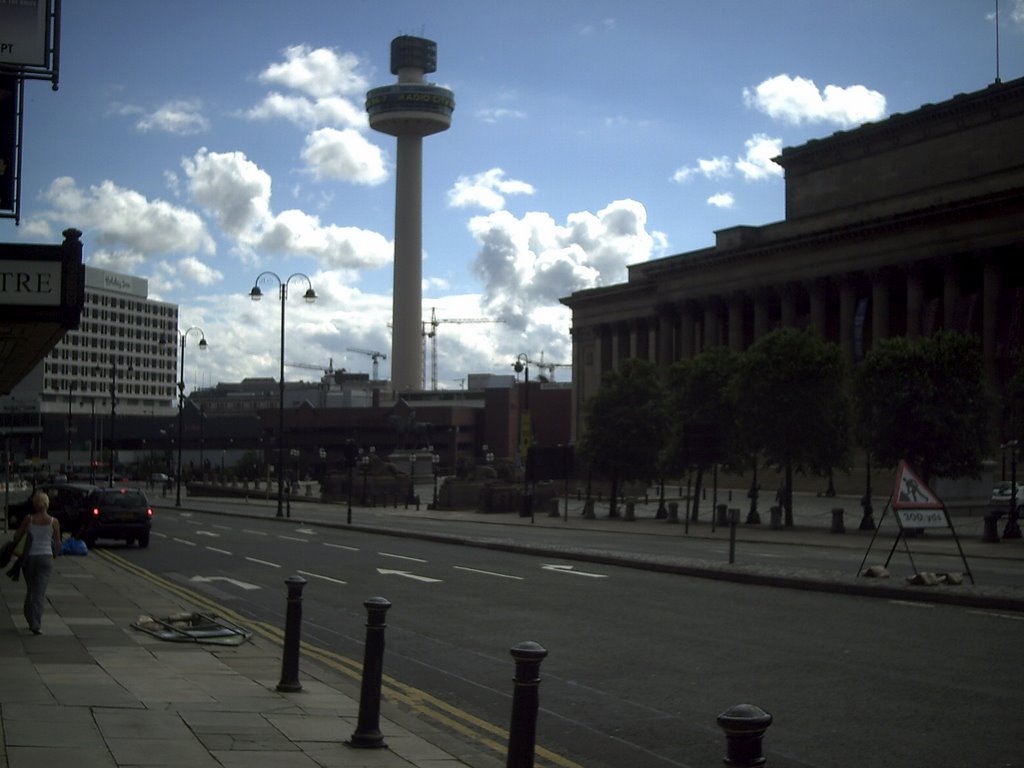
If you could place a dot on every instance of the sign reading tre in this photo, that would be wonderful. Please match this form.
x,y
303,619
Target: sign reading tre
x,y
30,283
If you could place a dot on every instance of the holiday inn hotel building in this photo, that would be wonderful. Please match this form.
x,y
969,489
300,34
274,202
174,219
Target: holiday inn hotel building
x,y
900,227
124,339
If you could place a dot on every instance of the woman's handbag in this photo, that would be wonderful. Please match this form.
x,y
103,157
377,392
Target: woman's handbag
x,y
20,548
6,553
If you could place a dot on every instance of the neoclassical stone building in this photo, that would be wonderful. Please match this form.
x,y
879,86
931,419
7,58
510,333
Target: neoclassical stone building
x,y
900,227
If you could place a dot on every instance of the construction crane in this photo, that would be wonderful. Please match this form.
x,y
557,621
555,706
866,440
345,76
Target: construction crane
x,y
373,354
328,370
550,367
430,332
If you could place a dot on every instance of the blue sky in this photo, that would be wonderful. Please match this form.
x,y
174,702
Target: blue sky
x,y
198,144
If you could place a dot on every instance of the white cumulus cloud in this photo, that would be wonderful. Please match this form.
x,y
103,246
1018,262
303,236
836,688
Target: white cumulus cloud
x,y
756,164
486,190
722,200
346,155
183,118
123,228
798,100
528,263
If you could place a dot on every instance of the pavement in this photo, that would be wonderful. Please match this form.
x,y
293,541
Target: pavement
x,y
94,692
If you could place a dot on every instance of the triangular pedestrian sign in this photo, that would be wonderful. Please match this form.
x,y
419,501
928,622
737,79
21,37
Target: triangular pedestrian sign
x,y
911,492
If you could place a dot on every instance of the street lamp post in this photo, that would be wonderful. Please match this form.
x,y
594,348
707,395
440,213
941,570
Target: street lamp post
x,y
1012,528
522,364
71,394
181,401
435,462
310,296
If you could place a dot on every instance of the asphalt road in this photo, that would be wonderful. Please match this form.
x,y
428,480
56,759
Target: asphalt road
x,y
639,663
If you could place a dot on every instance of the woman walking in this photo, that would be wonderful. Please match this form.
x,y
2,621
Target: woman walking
x,y
43,546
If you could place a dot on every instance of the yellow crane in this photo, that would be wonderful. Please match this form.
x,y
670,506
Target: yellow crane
x,y
374,354
430,332
328,370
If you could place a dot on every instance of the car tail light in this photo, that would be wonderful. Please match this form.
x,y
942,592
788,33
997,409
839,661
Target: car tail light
x,y
149,511
95,511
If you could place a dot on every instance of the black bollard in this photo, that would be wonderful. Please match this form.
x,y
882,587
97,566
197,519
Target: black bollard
x,y
522,735
744,727
292,637
734,518
367,734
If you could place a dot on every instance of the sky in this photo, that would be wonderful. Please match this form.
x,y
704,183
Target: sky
x,y
200,144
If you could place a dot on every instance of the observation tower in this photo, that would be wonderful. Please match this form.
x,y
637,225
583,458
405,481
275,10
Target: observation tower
x,y
409,110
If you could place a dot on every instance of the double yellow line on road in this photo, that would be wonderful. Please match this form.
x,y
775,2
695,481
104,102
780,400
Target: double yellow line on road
x,y
469,726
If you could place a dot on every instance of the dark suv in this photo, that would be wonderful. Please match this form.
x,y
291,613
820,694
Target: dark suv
x,y
67,503
117,513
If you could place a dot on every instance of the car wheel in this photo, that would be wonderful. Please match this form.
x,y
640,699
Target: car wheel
x,y
144,541
129,541
90,540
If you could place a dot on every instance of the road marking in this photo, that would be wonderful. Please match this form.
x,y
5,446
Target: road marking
x,y
222,527
208,533
407,575
401,557
487,573
340,546
994,615
240,584
293,538
220,551
185,541
325,578
262,562
911,604
765,554
306,531
255,533
570,569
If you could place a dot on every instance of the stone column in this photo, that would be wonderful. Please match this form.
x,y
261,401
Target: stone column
x,y
686,332
760,313
990,284
668,318
950,294
915,300
879,306
847,308
712,323
787,298
819,317
736,322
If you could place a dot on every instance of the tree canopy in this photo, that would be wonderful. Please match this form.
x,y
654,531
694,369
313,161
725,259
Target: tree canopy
x,y
925,400
625,423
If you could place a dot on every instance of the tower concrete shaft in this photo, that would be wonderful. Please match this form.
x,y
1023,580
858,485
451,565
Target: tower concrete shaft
x,y
409,110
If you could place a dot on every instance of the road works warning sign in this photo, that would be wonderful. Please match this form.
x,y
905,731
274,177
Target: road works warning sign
x,y
914,503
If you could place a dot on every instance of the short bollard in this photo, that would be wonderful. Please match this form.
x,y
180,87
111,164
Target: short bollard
x,y
367,734
733,516
522,734
292,636
744,727
837,521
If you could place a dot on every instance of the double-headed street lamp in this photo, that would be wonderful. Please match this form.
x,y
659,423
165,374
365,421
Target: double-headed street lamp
x,y
181,400
310,296
521,365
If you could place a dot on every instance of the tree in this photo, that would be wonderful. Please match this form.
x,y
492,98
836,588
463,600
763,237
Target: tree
x,y
701,412
625,425
925,401
792,406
